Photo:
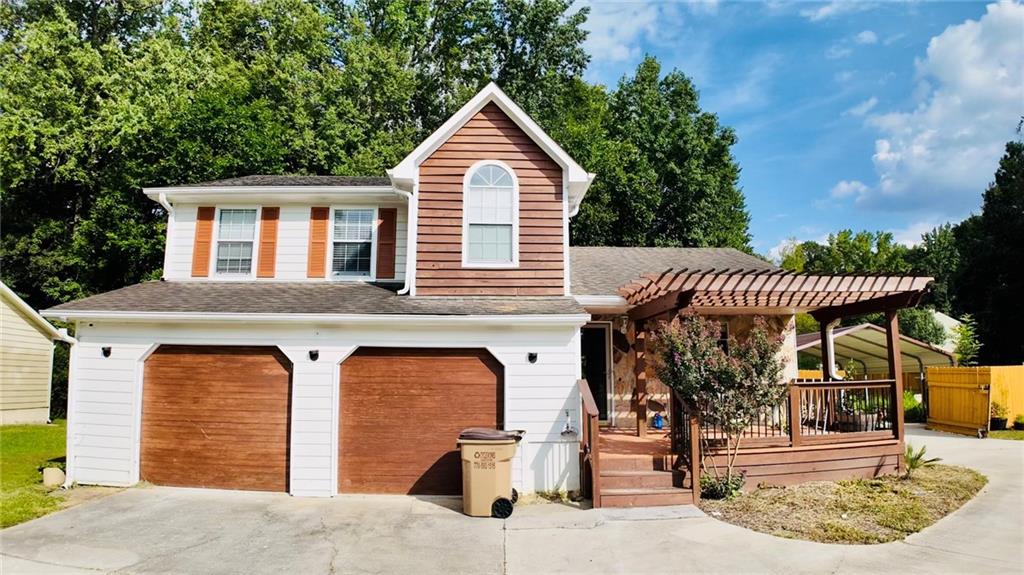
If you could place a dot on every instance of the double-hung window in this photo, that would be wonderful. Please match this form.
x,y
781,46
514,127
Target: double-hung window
x,y
352,243
236,232
490,226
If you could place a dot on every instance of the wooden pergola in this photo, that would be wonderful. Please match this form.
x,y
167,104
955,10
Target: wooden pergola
x,y
828,298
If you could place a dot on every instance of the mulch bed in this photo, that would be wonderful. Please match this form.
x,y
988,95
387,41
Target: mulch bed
x,y
859,512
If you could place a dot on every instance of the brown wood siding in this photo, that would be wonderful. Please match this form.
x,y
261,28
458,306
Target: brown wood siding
x,y
216,417
789,466
387,235
403,409
269,218
490,135
316,267
203,241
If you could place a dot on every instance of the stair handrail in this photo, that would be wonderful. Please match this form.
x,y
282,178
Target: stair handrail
x,y
589,442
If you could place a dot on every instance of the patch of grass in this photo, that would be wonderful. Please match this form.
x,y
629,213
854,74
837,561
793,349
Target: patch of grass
x,y
23,450
1014,434
861,511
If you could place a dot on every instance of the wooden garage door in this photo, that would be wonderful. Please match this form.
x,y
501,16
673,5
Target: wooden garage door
x,y
403,409
216,417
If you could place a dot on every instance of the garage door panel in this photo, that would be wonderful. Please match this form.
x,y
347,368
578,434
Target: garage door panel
x,y
216,417
428,396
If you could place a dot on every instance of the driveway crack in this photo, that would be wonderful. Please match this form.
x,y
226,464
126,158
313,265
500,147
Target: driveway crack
x,y
504,547
326,534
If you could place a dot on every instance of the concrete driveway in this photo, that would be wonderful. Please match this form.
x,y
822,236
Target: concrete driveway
x,y
166,530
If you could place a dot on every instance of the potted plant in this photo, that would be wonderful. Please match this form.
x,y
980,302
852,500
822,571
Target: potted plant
x,y
1018,422
858,413
997,413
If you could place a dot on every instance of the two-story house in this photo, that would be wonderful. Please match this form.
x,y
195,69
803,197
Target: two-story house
x,y
326,334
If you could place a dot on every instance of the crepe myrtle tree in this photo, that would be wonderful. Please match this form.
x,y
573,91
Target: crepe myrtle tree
x,y
730,387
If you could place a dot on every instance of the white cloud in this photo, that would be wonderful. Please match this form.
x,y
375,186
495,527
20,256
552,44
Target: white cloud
x,y
833,9
844,76
866,37
911,235
615,30
837,51
941,154
848,188
862,108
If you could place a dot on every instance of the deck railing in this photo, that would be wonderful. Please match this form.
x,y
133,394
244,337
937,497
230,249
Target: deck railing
x,y
822,412
590,457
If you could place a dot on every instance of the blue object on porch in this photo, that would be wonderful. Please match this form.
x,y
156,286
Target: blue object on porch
x,y
659,421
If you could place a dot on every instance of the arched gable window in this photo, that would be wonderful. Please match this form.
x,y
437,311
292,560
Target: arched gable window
x,y
490,216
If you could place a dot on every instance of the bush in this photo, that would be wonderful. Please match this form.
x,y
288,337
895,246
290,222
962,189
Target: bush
x,y
913,410
915,460
1019,420
721,487
998,411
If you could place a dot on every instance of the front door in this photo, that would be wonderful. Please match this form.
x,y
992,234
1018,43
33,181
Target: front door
x,y
594,353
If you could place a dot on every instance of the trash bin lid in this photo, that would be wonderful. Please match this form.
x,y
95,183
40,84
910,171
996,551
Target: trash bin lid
x,y
488,434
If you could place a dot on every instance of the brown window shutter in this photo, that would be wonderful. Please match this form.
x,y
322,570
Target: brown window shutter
x,y
204,239
317,242
387,231
268,242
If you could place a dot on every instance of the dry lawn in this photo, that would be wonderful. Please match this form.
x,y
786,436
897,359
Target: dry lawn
x,y
860,512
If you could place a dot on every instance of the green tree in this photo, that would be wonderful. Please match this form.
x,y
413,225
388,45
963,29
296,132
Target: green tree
x,y
937,256
991,278
699,202
846,253
916,322
967,344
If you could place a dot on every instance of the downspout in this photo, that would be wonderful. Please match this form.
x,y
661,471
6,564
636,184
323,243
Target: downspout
x,y
162,200
69,456
412,199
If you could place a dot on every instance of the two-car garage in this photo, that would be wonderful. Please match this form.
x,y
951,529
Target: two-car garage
x,y
215,416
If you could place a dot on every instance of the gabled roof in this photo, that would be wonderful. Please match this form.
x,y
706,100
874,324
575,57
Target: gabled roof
x,y
866,344
44,327
403,176
295,181
603,270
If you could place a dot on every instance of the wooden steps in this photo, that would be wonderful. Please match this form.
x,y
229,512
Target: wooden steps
x,y
641,481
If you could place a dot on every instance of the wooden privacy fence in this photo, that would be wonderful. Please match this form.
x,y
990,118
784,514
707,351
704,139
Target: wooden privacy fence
x,y
959,398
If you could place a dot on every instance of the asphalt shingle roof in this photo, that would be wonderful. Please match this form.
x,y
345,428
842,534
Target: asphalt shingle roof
x,y
603,270
304,298
270,180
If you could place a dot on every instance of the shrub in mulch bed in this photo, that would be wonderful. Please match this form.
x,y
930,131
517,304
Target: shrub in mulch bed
x,y
861,511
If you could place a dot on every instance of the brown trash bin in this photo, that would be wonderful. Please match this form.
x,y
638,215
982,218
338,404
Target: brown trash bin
x,y
487,471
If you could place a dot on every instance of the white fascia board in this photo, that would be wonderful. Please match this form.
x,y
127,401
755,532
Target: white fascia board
x,y
41,324
579,179
601,301
365,319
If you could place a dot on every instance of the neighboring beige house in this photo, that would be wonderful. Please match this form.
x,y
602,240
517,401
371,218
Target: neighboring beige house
x,y
26,361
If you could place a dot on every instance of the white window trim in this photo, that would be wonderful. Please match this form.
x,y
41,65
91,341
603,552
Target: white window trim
x,y
215,240
373,245
465,217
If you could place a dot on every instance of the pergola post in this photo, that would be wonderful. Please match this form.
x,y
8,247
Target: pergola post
x,y
828,350
640,373
892,337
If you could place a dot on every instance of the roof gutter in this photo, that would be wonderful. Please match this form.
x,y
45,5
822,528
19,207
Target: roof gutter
x,y
321,318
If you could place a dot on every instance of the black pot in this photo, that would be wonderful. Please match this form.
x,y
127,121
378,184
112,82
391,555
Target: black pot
x,y
1018,425
997,423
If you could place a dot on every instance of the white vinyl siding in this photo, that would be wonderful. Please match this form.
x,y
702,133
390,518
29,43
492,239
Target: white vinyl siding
x,y
292,242
537,395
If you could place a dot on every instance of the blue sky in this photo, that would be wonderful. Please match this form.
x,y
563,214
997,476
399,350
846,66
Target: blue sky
x,y
879,116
